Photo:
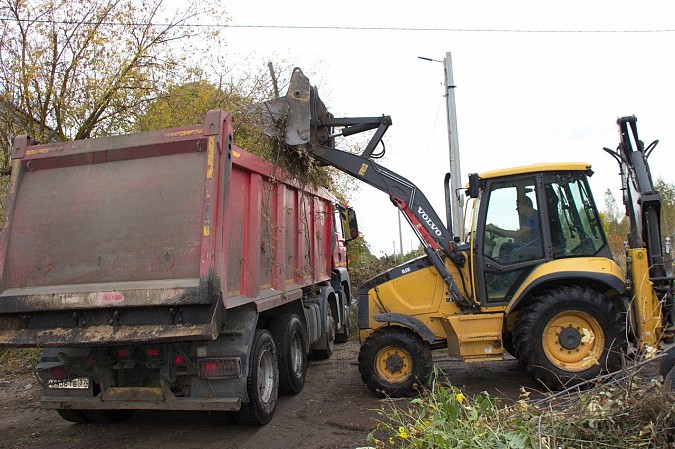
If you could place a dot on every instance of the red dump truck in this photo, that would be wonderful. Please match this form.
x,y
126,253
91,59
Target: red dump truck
x,y
169,270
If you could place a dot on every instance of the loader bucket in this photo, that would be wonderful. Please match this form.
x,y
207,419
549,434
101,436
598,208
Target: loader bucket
x,y
295,118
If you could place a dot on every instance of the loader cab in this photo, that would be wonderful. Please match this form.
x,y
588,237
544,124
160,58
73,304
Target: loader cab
x,y
528,216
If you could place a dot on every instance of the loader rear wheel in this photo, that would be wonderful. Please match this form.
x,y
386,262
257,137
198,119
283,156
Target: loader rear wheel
x,y
667,371
262,383
569,334
395,361
669,383
290,340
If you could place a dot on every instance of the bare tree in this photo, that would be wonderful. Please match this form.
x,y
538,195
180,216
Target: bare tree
x,y
73,69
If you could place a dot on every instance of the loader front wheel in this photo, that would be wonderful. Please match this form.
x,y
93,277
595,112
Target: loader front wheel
x,y
568,335
395,362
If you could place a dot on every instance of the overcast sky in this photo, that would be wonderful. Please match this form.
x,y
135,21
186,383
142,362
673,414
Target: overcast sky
x,y
522,96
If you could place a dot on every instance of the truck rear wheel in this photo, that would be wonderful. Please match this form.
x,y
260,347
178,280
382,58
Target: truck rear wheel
x,y
290,340
262,383
568,335
342,334
76,416
108,416
394,361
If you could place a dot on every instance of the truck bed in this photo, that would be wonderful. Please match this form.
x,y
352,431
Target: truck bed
x,y
151,236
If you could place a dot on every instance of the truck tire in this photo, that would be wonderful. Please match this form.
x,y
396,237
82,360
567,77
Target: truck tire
x,y
568,335
290,340
342,334
262,383
76,416
328,338
395,362
108,416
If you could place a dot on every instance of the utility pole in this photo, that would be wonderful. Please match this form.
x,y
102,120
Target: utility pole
x,y
456,200
453,142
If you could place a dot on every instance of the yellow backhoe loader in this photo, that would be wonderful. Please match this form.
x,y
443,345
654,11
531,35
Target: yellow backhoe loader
x,y
533,275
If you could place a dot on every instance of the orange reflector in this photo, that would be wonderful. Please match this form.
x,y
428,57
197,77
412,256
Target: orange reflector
x,y
220,368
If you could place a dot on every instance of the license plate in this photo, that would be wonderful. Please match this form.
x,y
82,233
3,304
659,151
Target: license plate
x,y
80,383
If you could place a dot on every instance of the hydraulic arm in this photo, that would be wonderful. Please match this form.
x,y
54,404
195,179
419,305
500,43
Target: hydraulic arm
x,y
643,209
301,119
642,202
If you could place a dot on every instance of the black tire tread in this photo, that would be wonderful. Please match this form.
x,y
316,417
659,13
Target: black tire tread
x,y
108,416
527,342
75,416
407,339
325,354
250,414
342,336
282,329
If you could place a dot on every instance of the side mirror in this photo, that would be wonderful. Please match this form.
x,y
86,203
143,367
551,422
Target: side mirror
x,y
353,224
474,185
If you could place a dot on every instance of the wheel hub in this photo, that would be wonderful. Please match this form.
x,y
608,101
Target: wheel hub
x,y
569,338
573,340
394,363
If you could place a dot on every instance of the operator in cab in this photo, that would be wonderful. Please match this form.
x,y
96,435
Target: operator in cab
x,y
529,223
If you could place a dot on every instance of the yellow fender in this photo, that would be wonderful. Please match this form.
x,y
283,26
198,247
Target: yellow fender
x,y
596,269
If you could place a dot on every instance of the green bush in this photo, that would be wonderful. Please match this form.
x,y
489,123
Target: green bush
x,y
627,410
443,417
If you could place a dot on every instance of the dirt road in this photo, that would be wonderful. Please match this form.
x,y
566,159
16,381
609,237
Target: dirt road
x,y
335,410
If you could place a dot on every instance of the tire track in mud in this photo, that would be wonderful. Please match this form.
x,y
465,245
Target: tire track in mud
x,y
335,410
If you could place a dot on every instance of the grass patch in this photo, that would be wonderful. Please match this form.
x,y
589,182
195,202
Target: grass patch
x,y
15,361
626,410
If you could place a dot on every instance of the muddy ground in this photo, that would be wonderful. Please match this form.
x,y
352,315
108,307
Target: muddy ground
x,y
335,410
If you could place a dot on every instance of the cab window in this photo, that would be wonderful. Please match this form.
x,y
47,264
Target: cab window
x,y
513,224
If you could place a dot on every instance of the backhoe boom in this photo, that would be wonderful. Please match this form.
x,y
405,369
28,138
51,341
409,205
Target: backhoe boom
x,y
314,132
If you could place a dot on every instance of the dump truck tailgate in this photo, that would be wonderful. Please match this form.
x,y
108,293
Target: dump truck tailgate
x,y
109,240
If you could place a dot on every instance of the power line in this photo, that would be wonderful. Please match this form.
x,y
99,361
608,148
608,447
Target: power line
x,y
464,30
336,27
